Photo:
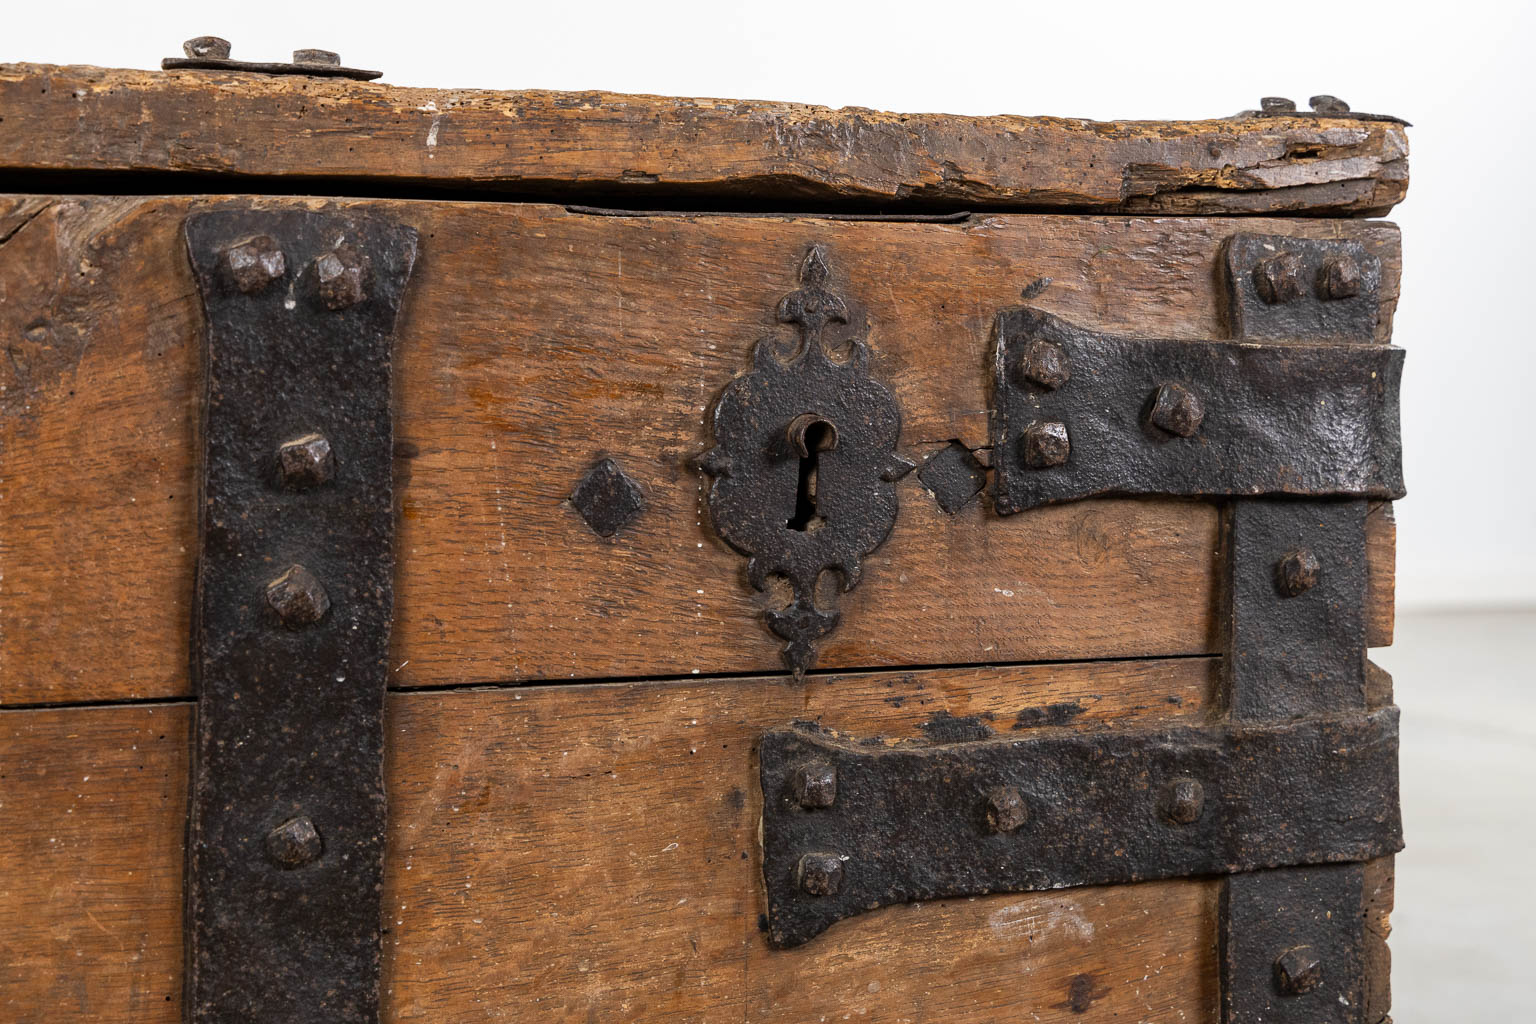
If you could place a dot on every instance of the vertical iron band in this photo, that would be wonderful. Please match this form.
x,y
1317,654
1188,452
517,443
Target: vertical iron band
x,y
293,613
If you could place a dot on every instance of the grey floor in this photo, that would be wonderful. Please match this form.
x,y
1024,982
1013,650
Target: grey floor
x,y
1464,931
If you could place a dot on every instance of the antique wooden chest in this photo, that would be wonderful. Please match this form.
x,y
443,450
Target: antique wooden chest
x,y
474,556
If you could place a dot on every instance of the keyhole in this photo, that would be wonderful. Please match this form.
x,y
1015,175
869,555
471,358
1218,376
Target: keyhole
x,y
811,436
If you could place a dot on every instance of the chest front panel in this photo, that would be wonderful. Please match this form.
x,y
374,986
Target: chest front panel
x,y
595,639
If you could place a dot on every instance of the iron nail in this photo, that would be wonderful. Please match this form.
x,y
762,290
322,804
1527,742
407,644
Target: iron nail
x,y
1277,105
341,277
1278,278
294,843
1183,801
815,784
1297,572
1338,278
253,264
1045,363
206,48
1177,410
821,874
327,57
298,598
1046,444
1326,104
1006,809
1298,971
306,462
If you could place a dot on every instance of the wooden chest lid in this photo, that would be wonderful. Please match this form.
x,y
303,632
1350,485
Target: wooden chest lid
x,y
191,130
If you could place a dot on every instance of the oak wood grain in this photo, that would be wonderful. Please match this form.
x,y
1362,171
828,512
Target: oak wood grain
x,y
647,150
92,817
590,853
534,341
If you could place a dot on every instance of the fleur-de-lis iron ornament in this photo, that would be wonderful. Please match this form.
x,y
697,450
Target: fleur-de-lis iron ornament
x,y
805,463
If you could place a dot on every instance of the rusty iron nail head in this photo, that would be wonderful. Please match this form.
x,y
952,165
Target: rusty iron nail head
x,y
298,598
327,57
821,874
1183,801
206,48
341,277
1006,809
1338,278
1277,278
1298,971
253,264
1276,105
1177,410
1046,444
1045,363
306,462
1325,104
294,843
1297,572
815,784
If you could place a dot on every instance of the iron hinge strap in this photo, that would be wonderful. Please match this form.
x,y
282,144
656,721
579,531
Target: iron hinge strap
x,y
293,613
1079,413
848,827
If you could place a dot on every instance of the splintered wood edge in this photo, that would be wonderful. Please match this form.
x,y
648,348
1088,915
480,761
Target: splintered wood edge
x,y
640,151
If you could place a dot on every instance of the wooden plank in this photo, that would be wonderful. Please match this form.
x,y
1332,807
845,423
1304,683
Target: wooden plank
x,y
1381,579
92,817
590,853
533,341
643,151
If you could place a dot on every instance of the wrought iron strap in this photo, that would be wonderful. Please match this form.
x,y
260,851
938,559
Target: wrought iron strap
x,y
1295,618
1080,413
848,827
293,613
1292,947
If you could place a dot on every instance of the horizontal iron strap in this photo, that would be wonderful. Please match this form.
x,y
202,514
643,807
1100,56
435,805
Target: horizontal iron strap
x,y
1082,414
848,827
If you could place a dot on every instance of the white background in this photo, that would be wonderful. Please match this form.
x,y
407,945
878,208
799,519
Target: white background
x,y
1460,71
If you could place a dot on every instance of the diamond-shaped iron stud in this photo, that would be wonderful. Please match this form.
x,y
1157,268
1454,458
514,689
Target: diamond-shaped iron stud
x,y
607,498
954,475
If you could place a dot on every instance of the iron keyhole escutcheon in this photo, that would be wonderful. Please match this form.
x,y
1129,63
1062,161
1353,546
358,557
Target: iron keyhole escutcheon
x,y
777,496
809,436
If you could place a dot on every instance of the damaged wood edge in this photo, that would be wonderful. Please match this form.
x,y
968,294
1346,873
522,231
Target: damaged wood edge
x,y
254,127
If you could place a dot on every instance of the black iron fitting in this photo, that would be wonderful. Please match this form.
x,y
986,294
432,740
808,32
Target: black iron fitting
x,y
293,613
805,462
210,53
1063,807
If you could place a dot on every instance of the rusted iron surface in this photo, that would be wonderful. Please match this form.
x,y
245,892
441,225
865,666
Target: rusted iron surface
x,y
1283,288
1322,106
804,462
1292,947
1296,611
914,822
1214,418
954,475
210,53
293,613
607,499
